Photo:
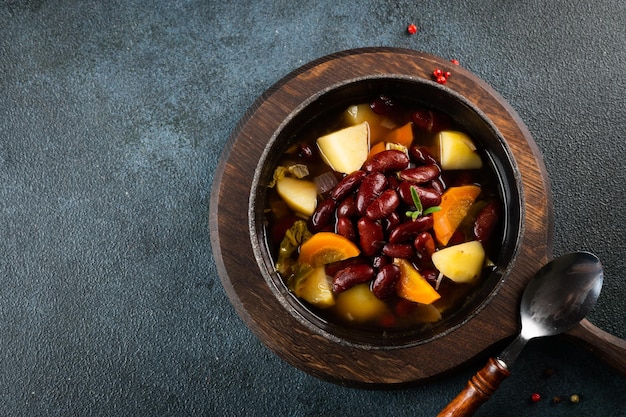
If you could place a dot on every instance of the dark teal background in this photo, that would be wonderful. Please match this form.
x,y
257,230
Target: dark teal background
x,y
113,115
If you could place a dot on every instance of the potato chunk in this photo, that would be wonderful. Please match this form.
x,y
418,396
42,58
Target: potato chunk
x,y
359,304
316,288
461,263
300,195
380,125
457,151
345,150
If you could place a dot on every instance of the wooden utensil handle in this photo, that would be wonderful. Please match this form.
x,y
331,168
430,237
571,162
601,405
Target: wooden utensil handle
x,y
478,390
611,349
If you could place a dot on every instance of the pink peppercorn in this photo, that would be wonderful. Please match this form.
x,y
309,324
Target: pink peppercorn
x,y
440,76
411,29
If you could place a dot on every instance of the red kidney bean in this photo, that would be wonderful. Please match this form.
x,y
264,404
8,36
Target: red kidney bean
x,y
423,119
430,121
330,227
372,186
382,105
391,222
458,237
370,236
345,227
404,190
352,275
379,261
383,206
280,227
438,185
398,250
393,182
387,161
429,197
384,285
420,155
333,268
348,184
424,245
347,207
486,221
306,152
409,229
420,174
322,214
430,275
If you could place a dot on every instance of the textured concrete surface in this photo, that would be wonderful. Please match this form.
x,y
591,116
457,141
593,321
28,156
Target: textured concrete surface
x,y
112,118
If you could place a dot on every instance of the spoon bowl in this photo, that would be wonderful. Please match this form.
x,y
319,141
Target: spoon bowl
x,y
557,298
561,294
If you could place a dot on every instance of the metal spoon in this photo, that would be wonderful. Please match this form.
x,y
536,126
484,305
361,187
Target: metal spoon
x,y
558,297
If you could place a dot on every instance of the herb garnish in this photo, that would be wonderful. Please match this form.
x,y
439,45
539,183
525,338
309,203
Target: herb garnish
x,y
419,209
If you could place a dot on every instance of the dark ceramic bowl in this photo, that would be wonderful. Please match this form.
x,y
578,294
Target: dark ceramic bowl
x,y
417,93
262,298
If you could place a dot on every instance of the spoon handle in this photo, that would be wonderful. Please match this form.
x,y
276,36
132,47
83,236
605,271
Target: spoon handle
x,y
611,349
478,390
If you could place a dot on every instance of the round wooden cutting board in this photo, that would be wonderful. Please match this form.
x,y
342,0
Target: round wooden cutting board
x,y
267,317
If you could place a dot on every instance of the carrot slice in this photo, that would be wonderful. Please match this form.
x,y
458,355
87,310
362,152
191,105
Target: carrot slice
x,y
413,286
402,135
455,204
327,247
378,148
